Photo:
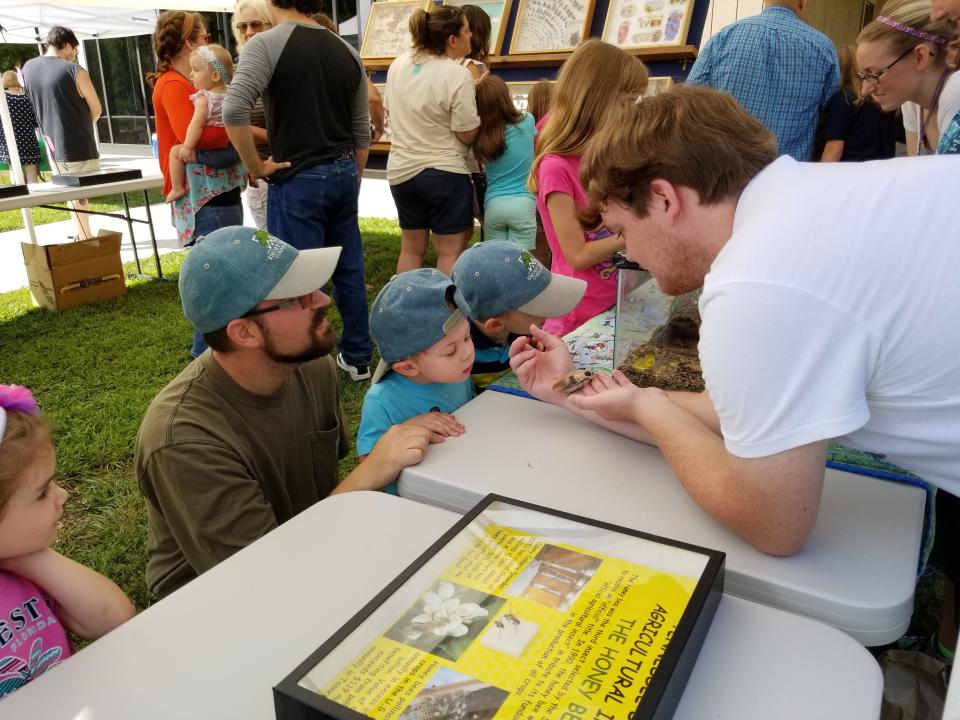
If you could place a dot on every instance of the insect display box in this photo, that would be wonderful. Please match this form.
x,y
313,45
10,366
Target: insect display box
x,y
519,611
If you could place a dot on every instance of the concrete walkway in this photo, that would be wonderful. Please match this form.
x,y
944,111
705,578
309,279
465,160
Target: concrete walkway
x,y
375,201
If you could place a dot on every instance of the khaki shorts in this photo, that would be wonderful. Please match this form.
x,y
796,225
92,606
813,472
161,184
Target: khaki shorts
x,y
62,168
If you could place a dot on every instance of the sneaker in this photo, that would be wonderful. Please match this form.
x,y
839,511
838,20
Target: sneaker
x,y
356,372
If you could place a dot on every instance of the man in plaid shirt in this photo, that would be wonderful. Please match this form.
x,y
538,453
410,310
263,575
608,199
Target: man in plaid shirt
x,y
777,67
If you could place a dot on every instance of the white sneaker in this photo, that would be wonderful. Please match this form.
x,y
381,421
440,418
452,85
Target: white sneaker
x,y
356,372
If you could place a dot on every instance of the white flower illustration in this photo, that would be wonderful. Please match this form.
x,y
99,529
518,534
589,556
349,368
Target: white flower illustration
x,y
444,615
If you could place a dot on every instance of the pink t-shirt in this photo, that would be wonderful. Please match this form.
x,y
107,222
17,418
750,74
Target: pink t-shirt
x,y
32,640
559,173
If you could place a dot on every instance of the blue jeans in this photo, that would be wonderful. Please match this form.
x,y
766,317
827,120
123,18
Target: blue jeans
x,y
318,208
208,219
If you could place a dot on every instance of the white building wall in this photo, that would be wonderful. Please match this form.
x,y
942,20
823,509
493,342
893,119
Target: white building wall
x,y
723,12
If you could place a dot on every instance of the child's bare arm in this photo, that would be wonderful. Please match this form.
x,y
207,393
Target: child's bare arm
x,y
88,604
197,123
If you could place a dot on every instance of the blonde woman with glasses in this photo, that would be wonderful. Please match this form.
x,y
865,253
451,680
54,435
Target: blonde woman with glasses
x,y
902,55
249,18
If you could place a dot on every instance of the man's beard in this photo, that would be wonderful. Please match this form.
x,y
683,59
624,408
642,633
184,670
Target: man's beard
x,y
686,265
318,346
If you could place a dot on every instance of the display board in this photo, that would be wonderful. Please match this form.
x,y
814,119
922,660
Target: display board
x,y
499,11
520,612
387,33
647,23
550,25
387,133
519,92
658,85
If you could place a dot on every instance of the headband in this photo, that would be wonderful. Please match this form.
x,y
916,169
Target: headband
x,y
18,399
208,55
916,32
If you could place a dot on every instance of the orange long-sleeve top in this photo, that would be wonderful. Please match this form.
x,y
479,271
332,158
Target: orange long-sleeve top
x,y
174,110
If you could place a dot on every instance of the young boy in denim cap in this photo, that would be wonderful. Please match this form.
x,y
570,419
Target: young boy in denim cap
x,y
504,290
426,355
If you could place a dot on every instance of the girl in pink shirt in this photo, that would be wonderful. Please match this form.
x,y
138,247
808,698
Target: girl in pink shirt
x,y
593,82
42,593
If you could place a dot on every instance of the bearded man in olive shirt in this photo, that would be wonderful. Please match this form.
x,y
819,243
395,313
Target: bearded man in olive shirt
x,y
249,434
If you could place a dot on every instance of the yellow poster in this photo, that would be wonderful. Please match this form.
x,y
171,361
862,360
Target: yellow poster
x,y
520,626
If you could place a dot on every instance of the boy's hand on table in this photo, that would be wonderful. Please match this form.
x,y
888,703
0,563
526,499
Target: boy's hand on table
x,y
540,362
440,424
614,397
399,447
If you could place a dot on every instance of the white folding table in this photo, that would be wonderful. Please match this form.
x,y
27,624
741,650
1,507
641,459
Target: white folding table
x,y
48,195
216,647
857,571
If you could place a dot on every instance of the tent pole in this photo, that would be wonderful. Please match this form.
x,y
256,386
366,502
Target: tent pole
x,y
106,101
143,87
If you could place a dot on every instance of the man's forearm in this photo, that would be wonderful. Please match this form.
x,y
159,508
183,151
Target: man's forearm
x,y
698,404
242,138
367,475
362,156
770,502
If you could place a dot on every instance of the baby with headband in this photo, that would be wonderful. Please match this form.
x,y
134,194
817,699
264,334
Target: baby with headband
x,y
211,69
42,593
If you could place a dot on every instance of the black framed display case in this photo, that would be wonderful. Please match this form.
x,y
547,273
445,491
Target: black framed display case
x,y
519,611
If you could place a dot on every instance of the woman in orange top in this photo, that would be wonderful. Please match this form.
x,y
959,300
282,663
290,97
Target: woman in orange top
x,y
214,197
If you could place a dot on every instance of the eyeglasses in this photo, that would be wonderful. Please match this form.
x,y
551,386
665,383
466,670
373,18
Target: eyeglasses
x,y
303,301
874,77
255,25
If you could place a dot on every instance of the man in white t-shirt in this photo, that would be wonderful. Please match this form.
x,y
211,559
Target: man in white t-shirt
x,y
829,307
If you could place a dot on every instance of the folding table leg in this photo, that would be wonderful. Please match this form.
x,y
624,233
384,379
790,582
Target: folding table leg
x,y
133,238
153,235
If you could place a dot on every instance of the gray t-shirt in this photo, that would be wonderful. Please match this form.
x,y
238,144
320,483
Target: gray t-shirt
x,y
64,116
314,92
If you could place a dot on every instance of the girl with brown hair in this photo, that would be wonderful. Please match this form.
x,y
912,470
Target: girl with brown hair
x,y
479,22
593,82
433,117
902,56
505,147
213,200
854,127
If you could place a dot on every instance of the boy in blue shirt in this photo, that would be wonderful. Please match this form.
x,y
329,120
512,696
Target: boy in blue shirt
x,y
504,290
426,355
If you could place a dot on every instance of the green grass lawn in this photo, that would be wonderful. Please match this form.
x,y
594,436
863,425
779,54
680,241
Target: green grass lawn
x,y
95,369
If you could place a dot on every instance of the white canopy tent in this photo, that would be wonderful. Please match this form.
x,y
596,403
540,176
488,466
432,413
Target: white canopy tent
x,y
22,21
27,21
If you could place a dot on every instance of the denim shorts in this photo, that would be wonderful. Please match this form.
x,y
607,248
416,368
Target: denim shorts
x,y
435,200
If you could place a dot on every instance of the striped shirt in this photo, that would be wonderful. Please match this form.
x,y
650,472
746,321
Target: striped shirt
x,y
777,67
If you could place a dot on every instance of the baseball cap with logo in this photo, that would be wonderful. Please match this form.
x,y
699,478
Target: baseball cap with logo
x,y
233,268
497,276
411,313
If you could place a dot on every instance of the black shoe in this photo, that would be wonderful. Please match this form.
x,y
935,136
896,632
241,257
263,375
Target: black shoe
x,y
356,372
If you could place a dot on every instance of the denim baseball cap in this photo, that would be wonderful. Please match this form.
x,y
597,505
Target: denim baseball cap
x,y
411,313
497,276
233,268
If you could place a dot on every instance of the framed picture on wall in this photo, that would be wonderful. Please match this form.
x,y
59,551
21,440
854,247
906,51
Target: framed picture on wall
x,y
499,11
387,134
550,25
647,23
388,29
658,85
519,92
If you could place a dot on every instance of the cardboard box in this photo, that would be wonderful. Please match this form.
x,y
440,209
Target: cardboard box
x,y
70,274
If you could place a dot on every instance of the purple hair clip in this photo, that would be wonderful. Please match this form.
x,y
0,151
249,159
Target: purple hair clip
x,y
18,399
916,32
